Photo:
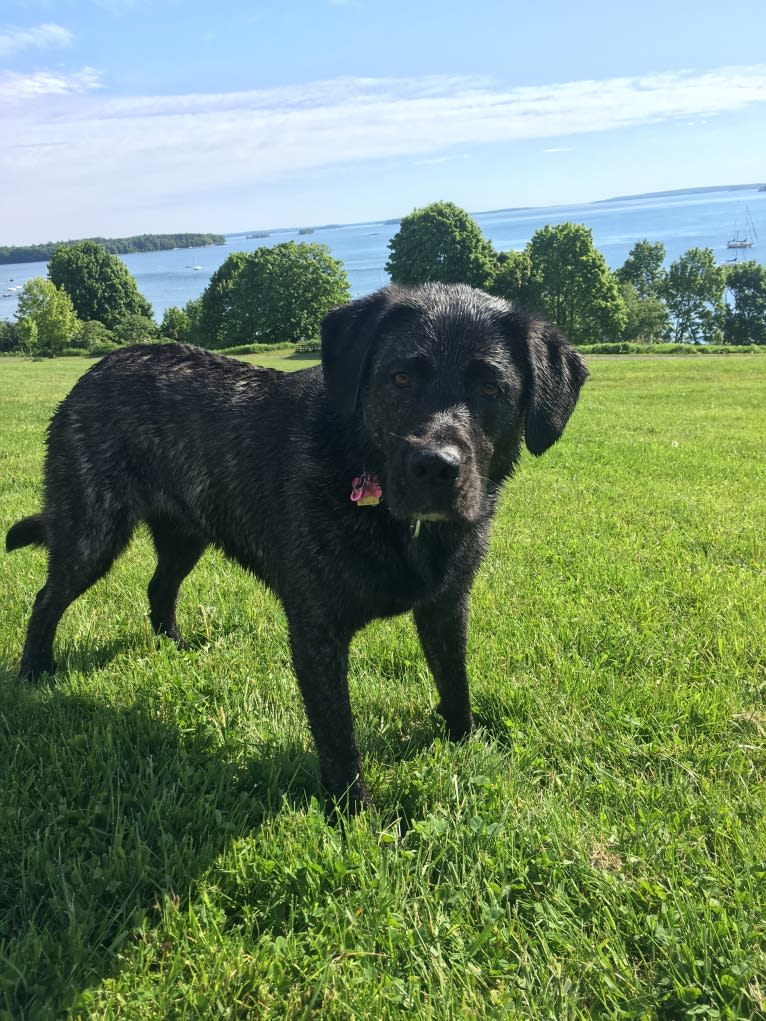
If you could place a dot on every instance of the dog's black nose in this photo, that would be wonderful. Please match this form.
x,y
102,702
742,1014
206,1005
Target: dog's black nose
x,y
434,465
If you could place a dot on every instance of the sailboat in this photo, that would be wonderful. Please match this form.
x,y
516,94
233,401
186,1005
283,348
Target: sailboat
x,y
751,235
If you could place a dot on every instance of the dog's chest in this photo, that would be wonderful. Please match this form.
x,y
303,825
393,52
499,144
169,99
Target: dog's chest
x,y
392,574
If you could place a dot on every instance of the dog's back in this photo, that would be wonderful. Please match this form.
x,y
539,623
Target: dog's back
x,y
147,408
165,430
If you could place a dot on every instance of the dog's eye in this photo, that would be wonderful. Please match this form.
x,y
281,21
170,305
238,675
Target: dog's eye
x,y
490,390
402,378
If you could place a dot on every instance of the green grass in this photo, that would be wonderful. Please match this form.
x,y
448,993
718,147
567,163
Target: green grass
x,y
596,850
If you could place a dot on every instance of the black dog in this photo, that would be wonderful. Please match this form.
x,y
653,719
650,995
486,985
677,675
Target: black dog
x,y
361,489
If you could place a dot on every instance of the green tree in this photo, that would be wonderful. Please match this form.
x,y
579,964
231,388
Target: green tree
x,y
100,285
512,278
647,320
572,285
95,337
176,324
207,318
272,295
51,311
644,268
746,316
693,290
9,336
27,334
195,334
440,243
135,329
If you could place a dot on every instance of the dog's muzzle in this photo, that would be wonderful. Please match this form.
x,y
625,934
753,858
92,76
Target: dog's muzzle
x,y
430,482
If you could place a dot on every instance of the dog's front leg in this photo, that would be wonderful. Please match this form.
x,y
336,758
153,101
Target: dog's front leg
x,y
320,660
443,629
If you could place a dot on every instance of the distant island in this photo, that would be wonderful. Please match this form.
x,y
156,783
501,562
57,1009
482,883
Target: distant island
x,y
115,246
685,191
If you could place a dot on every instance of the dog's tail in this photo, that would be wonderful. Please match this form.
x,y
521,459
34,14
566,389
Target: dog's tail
x,y
27,532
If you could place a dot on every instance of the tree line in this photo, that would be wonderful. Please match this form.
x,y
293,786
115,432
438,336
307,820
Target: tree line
x,y
89,301
562,275
11,254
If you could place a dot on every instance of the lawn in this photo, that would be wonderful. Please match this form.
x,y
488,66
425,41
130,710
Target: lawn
x,y
597,849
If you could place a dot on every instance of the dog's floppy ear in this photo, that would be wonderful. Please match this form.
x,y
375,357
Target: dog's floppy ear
x,y
348,337
555,374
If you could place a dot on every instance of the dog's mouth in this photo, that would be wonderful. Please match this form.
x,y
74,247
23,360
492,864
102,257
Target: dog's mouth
x,y
416,516
420,510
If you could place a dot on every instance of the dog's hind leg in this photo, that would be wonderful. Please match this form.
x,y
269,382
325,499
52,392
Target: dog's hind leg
x,y
177,552
75,562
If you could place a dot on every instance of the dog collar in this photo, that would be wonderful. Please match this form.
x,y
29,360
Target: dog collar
x,y
366,490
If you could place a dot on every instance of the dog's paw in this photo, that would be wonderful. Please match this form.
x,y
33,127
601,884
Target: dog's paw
x,y
458,725
36,673
349,802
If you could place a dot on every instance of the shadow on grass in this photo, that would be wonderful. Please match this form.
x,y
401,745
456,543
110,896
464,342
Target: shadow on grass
x,y
304,356
87,656
106,812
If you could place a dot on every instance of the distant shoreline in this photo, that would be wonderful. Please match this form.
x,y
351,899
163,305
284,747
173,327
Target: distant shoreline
x,y
17,254
757,186
142,243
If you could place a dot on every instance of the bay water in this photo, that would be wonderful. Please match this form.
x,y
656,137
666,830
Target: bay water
x,y
706,219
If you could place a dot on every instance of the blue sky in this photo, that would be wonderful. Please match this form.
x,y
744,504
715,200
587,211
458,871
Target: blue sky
x,y
129,116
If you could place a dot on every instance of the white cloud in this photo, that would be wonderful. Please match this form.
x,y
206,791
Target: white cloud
x,y
164,150
431,161
16,88
41,36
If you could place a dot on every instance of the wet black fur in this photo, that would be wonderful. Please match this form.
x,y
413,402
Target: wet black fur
x,y
433,389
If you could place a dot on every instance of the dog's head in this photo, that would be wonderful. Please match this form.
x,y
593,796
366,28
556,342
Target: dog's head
x,y
444,381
